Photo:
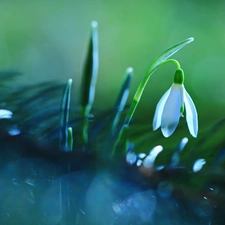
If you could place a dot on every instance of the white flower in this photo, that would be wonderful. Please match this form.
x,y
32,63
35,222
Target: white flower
x,y
170,108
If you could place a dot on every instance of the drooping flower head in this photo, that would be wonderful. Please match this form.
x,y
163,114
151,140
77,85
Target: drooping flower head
x,y
171,107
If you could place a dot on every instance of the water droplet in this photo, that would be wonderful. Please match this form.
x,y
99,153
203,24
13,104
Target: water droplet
x,y
14,131
139,162
198,165
141,155
131,158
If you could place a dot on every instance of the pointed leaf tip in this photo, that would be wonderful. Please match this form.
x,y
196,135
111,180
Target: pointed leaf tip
x,y
130,70
191,39
94,24
70,81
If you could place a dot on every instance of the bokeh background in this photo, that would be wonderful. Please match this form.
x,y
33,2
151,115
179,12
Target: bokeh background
x,y
47,41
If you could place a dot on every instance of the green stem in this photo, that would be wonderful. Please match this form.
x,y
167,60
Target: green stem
x,y
141,88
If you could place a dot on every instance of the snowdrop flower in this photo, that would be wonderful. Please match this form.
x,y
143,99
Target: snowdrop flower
x,y
171,106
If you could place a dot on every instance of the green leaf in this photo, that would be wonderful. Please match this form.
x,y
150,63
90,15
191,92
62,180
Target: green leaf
x,y
89,80
169,52
90,72
64,118
122,97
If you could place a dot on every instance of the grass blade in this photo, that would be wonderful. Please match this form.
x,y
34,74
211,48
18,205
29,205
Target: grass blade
x,y
122,98
69,143
89,79
64,119
90,72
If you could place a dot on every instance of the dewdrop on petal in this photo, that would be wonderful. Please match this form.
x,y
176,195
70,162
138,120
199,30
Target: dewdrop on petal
x,y
171,107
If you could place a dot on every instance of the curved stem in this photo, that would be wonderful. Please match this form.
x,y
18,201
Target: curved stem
x,y
141,88
172,60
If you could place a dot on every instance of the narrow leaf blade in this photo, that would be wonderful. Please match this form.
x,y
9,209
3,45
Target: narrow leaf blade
x,y
169,52
90,71
64,118
122,97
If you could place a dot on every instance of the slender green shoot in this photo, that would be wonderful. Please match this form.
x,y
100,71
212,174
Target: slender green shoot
x,y
70,139
64,118
122,98
89,77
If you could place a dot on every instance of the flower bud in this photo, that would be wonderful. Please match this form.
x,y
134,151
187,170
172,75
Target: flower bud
x,y
179,76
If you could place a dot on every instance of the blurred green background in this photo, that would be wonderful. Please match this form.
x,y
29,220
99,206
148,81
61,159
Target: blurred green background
x,y
47,40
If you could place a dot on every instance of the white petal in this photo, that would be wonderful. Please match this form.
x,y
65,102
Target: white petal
x,y
171,111
159,110
191,114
